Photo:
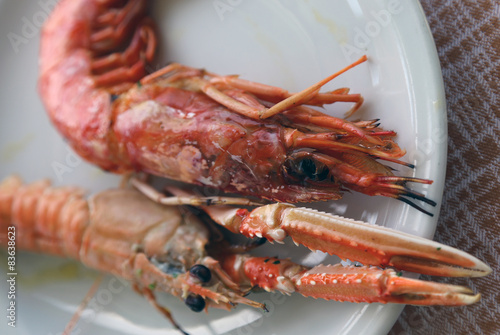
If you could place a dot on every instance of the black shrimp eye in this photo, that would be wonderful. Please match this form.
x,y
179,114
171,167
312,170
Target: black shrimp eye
x,y
313,170
201,272
195,302
113,97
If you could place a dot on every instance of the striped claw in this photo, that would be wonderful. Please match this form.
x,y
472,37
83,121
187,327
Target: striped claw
x,y
336,282
350,239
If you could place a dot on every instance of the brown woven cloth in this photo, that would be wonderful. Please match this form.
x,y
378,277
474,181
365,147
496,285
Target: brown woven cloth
x,y
467,36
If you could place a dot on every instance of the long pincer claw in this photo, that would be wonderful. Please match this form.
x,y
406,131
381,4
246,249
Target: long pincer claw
x,y
364,284
350,239
376,245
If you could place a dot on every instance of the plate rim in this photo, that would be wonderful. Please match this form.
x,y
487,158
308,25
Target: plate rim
x,y
425,44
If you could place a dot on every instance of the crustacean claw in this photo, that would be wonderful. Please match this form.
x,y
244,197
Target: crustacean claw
x,y
369,284
350,239
343,283
347,238
371,245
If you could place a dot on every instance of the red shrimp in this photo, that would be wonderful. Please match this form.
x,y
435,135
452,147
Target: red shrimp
x,y
198,127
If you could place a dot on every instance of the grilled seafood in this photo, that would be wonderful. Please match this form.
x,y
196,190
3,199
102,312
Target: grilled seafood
x,y
198,127
158,248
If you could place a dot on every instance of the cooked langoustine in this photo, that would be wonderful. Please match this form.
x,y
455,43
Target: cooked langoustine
x,y
198,127
157,247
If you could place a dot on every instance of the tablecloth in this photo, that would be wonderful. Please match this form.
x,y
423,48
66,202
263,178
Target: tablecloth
x,y
467,36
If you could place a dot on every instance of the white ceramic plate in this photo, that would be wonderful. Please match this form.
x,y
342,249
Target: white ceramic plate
x,y
285,43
